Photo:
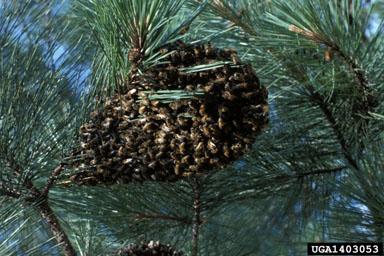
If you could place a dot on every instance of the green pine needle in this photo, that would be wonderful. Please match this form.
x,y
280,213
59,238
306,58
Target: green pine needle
x,y
167,96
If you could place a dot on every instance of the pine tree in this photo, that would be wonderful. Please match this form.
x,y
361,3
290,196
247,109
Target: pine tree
x,y
313,174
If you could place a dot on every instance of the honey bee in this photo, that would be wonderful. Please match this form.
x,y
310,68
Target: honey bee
x,y
208,50
236,147
86,128
248,95
199,148
160,140
127,107
166,128
151,153
203,74
142,151
186,159
94,114
121,151
229,96
223,109
182,148
206,131
226,69
183,121
175,57
237,77
159,155
265,108
153,176
207,119
176,105
212,147
163,51
162,75
160,117
214,161
142,110
189,88
84,145
145,101
228,87
155,103
177,169
66,183
221,123
241,86
197,52
132,92
107,122
150,127
226,151
201,161
235,58
220,81
209,88
152,165
195,135
193,168
89,180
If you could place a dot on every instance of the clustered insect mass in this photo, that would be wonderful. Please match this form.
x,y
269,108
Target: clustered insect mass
x,y
148,249
145,134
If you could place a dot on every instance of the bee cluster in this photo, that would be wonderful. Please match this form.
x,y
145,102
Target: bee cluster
x,y
137,138
148,249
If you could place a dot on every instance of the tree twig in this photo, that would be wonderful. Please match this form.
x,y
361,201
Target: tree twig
x,y
196,215
368,99
52,178
320,101
39,199
10,192
50,218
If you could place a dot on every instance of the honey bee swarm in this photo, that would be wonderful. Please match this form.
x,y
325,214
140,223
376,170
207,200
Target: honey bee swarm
x,y
133,138
148,249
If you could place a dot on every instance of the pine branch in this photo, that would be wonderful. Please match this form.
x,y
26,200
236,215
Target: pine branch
x,y
321,102
40,200
225,10
52,179
9,192
357,71
27,183
49,216
196,216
